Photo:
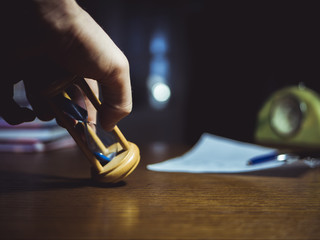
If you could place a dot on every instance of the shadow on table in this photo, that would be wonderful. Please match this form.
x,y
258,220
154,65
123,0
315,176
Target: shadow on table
x,y
18,181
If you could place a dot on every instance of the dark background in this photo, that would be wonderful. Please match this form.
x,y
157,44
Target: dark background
x,y
225,60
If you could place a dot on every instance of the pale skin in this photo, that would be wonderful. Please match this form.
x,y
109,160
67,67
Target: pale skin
x,y
61,40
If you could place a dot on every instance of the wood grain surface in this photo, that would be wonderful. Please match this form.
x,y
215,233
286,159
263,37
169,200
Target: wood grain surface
x,y
50,196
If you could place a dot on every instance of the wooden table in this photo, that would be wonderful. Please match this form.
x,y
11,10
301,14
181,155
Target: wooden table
x,y
49,196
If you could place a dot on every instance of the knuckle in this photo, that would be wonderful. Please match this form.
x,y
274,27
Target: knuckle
x,y
127,109
120,66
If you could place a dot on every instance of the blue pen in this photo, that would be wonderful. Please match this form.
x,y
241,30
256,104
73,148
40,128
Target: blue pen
x,y
264,158
286,157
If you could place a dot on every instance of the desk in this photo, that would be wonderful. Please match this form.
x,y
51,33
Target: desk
x,y
49,196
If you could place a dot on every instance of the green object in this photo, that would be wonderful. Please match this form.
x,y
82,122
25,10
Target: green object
x,y
290,118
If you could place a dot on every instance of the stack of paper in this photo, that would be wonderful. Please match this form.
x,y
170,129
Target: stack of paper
x,y
213,154
35,136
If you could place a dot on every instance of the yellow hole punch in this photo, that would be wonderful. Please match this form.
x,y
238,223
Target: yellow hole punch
x,y
111,156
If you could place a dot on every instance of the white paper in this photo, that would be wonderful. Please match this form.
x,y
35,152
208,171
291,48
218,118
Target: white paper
x,y
213,154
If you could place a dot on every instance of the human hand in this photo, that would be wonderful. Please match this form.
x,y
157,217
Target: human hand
x,y
59,40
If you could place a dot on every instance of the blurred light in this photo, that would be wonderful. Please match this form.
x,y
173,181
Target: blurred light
x,y
159,65
158,44
159,70
161,92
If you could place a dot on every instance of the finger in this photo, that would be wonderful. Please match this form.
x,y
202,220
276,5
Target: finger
x,y
41,74
81,99
14,114
92,112
41,107
116,98
94,55
10,111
